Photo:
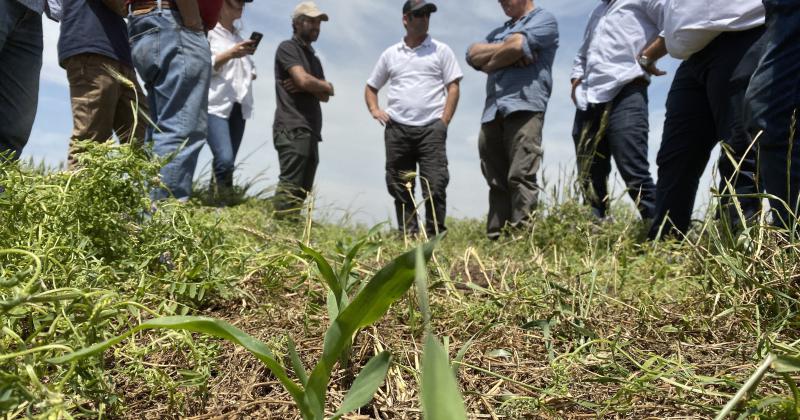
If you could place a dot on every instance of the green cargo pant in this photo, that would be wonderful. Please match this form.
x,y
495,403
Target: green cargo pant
x,y
511,153
298,155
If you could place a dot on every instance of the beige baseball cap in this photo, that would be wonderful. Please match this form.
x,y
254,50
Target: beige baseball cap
x,y
310,9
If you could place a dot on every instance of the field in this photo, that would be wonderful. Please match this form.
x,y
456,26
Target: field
x,y
569,319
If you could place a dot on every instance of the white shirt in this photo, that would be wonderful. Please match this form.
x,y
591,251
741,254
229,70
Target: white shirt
x,y
417,78
690,25
233,82
616,34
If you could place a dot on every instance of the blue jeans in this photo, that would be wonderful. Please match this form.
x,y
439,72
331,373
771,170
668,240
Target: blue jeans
x,y
772,98
703,106
175,64
624,139
224,139
20,65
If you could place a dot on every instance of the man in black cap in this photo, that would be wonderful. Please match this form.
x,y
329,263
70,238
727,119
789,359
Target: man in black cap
x,y
423,77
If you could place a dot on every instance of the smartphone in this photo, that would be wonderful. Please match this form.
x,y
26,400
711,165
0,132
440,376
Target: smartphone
x,y
256,36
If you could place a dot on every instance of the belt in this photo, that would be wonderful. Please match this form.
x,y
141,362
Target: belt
x,y
141,7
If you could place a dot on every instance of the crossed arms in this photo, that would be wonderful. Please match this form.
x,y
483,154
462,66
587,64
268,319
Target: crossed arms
x,y
300,81
492,57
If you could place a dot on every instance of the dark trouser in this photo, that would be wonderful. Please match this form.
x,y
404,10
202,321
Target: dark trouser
x,y
298,155
704,105
620,129
224,138
21,58
406,147
773,98
511,152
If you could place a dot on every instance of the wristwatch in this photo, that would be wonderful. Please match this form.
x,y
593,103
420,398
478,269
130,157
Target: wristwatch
x,y
644,61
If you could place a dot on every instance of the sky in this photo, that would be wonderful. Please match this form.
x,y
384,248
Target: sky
x,y
350,182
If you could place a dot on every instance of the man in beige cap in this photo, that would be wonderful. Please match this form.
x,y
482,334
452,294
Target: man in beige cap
x,y
300,87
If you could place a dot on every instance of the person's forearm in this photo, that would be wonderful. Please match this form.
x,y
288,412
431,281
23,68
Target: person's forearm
x,y
220,59
480,54
453,94
190,14
656,50
314,86
508,54
371,98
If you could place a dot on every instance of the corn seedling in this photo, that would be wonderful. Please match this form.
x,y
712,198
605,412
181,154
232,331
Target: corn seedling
x,y
388,285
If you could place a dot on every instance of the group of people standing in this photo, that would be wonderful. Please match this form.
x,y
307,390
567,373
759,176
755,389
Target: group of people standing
x,y
423,76
737,84
195,66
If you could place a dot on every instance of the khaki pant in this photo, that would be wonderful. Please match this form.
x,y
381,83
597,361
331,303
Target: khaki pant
x,y
103,105
511,153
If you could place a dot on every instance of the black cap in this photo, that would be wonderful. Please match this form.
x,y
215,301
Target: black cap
x,y
412,6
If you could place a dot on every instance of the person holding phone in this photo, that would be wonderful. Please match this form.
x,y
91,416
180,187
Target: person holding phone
x,y
230,96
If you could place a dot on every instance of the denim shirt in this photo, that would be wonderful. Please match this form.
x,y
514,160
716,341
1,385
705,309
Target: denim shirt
x,y
35,5
527,88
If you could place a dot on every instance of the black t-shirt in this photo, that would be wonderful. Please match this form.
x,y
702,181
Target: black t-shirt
x,y
88,26
298,110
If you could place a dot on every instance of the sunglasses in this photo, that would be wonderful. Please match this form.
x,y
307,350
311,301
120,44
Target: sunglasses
x,y
420,14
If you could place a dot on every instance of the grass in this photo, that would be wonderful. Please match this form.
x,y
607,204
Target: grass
x,y
570,319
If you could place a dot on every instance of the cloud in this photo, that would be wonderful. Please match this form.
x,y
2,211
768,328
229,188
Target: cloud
x,y
350,178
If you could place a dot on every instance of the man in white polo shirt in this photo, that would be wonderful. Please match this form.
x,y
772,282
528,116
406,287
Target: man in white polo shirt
x,y
423,77
719,41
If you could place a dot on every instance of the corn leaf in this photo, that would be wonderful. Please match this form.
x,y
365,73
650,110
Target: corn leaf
x,y
366,384
371,303
297,364
347,265
786,364
332,305
325,270
203,325
421,280
441,398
